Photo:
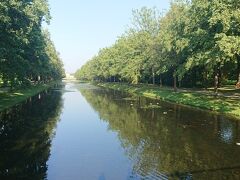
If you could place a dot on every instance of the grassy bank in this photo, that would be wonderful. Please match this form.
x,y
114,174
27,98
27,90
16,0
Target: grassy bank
x,y
8,99
221,104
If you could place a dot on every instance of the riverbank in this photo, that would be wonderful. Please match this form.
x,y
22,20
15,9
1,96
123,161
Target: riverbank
x,y
9,99
220,104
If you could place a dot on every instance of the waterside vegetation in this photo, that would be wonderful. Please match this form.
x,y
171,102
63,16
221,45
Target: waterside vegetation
x,y
11,98
203,100
194,44
27,53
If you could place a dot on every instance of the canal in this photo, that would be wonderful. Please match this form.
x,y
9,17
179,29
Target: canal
x,y
79,131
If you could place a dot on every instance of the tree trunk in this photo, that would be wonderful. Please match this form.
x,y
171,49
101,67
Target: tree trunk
x,y
175,81
179,84
39,78
205,77
137,80
160,77
153,74
5,81
194,78
219,75
238,68
216,78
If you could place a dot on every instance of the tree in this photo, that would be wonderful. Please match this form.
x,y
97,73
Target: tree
x,y
196,43
24,47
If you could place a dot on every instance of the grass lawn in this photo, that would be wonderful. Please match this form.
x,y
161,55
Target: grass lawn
x,y
227,89
8,99
221,104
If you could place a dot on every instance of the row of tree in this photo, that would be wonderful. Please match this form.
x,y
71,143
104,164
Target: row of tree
x,y
194,44
27,54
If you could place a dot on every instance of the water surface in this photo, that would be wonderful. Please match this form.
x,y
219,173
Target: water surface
x,y
79,131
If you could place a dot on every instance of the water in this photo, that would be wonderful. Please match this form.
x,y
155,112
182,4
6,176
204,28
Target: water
x,y
79,131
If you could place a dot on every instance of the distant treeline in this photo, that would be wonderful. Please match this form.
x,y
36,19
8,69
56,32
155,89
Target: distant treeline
x,y
194,44
27,54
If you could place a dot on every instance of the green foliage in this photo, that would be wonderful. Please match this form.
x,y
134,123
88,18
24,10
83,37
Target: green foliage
x,y
222,104
192,43
9,99
27,54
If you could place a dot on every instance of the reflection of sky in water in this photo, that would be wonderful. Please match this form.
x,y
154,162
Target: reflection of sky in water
x,y
227,135
226,131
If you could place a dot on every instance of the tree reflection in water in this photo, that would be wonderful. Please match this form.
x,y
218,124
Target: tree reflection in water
x,y
26,131
166,140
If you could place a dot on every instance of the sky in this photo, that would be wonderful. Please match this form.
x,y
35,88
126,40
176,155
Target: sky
x,y
79,28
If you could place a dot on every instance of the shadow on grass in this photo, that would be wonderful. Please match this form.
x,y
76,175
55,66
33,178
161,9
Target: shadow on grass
x,y
8,99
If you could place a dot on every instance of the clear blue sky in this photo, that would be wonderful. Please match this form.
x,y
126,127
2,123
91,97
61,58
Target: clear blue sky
x,y
79,28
